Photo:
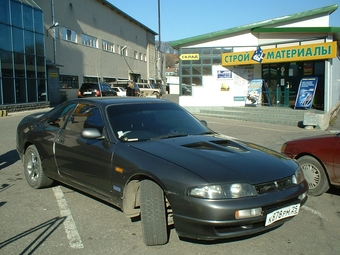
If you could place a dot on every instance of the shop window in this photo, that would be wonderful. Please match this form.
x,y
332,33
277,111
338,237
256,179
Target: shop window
x,y
4,7
40,67
18,43
206,61
91,79
207,70
196,70
42,94
29,42
197,80
217,60
308,68
28,17
20,89
5,38
30,66
68,81
19,65
8,90
319,68
206,51
38,21
16,13
186,70
39,45
6,64
32,90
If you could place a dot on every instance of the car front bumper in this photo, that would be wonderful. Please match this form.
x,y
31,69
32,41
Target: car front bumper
x,y
203,219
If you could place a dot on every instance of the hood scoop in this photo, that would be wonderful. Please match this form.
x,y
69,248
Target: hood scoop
x,y
221,145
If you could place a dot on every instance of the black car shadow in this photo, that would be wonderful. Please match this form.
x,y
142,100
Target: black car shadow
x,y
334,191
8,159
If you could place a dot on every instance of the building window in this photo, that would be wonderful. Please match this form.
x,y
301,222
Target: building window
x,y
89,41
141,56
107,46
69,35
68,81
123,51
136,55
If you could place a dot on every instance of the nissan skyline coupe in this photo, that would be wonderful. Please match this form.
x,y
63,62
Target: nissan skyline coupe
x,y
157,162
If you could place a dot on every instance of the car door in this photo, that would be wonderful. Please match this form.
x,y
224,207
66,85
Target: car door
x,y
336,160
83,161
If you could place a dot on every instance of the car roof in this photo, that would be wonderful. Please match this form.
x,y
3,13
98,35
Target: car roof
x,y
103,101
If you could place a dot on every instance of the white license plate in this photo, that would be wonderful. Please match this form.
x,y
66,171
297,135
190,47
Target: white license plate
x,y
282,213
87,93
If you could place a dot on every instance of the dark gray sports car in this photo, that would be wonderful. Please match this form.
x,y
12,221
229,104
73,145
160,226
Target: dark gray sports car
x,y
153,159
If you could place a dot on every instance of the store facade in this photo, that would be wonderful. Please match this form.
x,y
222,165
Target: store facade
x,y
216,69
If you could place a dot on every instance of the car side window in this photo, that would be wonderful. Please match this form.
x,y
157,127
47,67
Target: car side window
x,y
85,116
59,118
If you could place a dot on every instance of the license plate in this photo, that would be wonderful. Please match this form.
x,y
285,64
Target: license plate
x,y
87,93
282,213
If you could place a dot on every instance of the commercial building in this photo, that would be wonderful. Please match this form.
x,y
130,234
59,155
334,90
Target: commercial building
x,y
49,48
217,68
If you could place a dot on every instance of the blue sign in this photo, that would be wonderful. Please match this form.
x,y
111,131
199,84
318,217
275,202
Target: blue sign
x,y
306,92
258,55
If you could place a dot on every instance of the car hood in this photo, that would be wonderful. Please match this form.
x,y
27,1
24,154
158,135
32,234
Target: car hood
x,y
218,157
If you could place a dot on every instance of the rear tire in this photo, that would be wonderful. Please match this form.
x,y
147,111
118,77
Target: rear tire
x,y
315,175
33,171
153,214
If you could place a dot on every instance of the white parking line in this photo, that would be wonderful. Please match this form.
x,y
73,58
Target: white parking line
x,y
314,212
69,224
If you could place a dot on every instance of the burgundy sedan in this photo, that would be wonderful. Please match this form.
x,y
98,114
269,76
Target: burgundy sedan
x,y
319,158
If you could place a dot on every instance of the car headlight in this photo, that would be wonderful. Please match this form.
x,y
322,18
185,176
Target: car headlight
x,y
222,191
298,177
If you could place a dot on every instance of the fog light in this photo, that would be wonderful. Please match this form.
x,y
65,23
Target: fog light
x,y
248,213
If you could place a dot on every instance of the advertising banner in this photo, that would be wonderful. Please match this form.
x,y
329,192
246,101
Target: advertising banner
x,y
254,95
306,92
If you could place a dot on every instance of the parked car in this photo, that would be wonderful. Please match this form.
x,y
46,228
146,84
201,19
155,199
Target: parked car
x,y
96,90
121,92
149,90
319,158
153,159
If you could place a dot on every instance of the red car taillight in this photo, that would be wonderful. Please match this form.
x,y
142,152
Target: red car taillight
x,y
79,93
98,93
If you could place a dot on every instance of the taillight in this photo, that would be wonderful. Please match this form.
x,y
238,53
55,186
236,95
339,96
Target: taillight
x,y
79,93
97,93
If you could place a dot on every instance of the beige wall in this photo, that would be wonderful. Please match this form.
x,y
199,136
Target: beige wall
x,y
95,19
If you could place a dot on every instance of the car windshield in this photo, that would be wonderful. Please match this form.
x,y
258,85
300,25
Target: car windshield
x,y
140,122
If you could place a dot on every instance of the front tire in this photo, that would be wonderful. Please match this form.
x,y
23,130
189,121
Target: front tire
x,y
153,214
315,175
33,171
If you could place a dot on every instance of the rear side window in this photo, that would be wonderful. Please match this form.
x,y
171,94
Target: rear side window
x,y
59,118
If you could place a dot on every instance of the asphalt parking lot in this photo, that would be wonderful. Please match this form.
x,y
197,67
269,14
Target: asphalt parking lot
x,y
61,220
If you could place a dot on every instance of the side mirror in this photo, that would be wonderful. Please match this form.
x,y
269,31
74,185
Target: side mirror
x,y
91,133
204,123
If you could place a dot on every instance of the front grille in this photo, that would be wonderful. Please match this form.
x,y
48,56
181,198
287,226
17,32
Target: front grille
x,y
274,185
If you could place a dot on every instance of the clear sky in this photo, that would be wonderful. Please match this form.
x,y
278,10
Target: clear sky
x,y
186,18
